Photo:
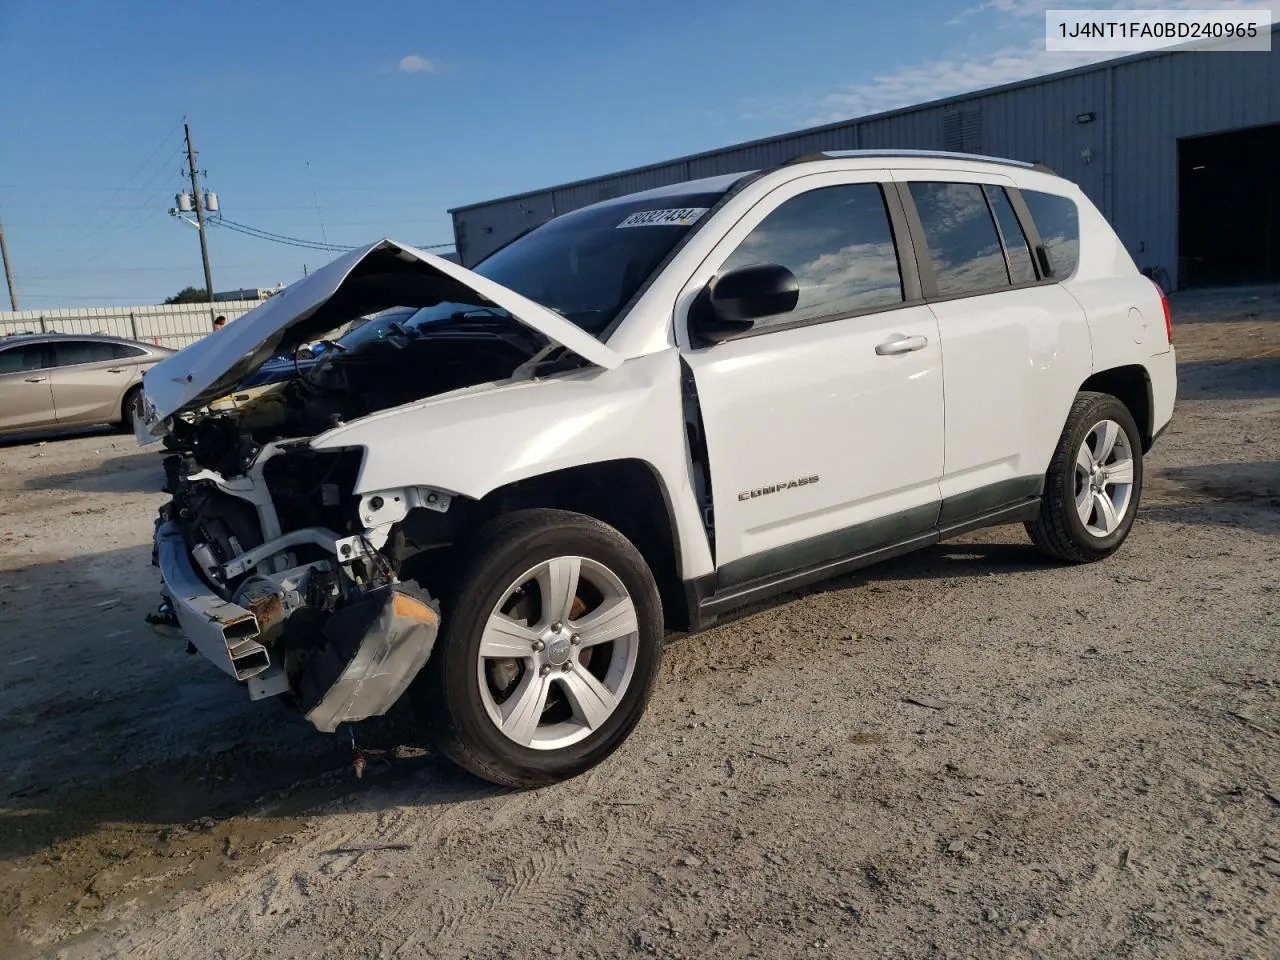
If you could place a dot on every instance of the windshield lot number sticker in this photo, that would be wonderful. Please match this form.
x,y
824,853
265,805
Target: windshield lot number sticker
x,y
664,218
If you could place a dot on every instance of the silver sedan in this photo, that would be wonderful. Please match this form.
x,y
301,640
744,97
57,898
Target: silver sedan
x,y
57,380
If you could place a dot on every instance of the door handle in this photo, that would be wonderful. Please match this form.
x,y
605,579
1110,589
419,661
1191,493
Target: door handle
x,y
36,379
900,344
115,369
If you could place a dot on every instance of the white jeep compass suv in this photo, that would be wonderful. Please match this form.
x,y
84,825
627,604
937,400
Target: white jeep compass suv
x,y
636,417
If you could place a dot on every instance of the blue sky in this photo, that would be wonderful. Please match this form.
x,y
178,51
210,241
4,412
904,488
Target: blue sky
x,y
384,115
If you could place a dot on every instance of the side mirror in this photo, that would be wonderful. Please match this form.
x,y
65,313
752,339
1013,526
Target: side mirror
x,y
732,302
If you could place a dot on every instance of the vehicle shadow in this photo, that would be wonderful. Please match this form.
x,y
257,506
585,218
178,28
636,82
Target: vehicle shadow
x,y
111,732
1002,551
136,473
1245,495
48,436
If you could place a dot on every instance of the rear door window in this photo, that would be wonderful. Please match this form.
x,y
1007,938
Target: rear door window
x,y
964,247
1058,223
122,351
17,359
839,244
68,353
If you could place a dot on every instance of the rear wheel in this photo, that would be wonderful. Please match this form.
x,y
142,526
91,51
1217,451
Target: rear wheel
x,y
1093,484
549,650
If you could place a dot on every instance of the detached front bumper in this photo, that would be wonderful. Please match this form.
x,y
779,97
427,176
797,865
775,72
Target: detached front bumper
x,y
367,654
226,634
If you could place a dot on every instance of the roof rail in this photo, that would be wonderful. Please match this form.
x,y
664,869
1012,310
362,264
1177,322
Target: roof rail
x,y
926,154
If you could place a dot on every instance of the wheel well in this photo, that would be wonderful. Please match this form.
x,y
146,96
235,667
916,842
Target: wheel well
x,y
626,494
1132,387
127,399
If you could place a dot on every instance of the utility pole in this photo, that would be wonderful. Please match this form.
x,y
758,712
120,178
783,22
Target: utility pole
x,y
199,202
8,271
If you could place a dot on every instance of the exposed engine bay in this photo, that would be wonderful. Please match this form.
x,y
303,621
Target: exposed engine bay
x,y
270,569
397,367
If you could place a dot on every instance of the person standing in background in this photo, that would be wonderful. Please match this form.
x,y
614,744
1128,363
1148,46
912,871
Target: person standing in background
x,y
219,322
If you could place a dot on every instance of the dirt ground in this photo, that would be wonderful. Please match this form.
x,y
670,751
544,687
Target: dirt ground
x,y
1097,774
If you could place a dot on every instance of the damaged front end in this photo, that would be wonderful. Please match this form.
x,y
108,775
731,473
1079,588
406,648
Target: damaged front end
x,y
274,567
315,612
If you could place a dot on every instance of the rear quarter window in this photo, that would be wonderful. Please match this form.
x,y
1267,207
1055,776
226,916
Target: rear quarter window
x,y
1058,222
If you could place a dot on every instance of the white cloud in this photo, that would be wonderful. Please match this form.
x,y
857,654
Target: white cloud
x,y
932,81
920,83
1016,25
415,64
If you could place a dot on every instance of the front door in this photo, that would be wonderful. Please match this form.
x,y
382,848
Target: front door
x,y
824,425
26,400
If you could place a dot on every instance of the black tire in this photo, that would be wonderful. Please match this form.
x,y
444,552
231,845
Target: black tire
x,y
1059,530
447,693
129,408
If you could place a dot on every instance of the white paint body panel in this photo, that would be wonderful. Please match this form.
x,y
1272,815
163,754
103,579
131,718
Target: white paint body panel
x,y
1163,370
818,401
476,440
1014,361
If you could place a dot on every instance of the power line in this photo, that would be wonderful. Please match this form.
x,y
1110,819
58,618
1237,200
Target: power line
x,y
168,268
78,225
315,197
85,236
261,234
127,228
279,238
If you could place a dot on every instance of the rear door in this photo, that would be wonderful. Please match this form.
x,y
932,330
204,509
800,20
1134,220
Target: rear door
x,y
26,398
1015,346
88,380
824,425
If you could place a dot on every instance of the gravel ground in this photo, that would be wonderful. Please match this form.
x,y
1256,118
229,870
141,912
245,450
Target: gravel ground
x,y
1090,766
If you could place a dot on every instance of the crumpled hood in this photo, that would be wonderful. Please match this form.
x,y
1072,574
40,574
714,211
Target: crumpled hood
x,y
361,282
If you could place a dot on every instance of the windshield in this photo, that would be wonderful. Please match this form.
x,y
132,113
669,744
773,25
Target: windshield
x,y
588,264
377,327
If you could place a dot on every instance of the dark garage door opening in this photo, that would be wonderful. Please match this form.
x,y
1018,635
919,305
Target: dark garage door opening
x,y
1229,208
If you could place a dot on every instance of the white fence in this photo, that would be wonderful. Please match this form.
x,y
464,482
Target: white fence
x,y
173,325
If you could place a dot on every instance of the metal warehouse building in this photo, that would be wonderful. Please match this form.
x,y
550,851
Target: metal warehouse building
x,y
1180,150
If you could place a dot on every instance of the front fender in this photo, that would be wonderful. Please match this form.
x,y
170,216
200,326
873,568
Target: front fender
x,y
472,442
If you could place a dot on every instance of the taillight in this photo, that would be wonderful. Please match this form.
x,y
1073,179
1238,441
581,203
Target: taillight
x,y
1164,305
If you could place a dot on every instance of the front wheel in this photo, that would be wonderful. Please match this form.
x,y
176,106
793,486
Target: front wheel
x,y
1093,484
549,650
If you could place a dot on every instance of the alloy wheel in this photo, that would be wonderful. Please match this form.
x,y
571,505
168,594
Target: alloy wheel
x,y
1104,478
557,653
